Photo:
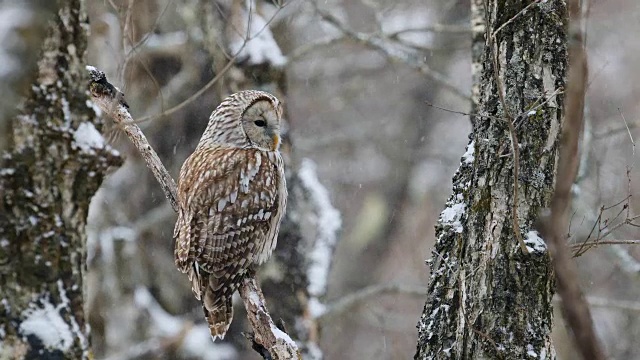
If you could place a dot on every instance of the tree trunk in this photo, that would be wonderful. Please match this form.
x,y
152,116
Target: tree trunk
x,y
487,300
58,161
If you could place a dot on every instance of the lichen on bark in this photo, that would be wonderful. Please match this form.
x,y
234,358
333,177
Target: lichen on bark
x,y
47,180
488,300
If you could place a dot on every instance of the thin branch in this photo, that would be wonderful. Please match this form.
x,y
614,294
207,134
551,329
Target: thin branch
x,y
191,98
231,61
111,101
626,125
377,42
605,242
305,49
461,112
534,108
521,12
345,303
437,28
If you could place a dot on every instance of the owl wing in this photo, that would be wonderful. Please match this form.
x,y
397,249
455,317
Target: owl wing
x,y
229,212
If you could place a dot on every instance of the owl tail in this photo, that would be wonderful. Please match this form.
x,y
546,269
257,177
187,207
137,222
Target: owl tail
x,y
219,314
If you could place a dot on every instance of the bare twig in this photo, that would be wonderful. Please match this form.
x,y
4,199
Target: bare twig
x,y
521,12
605,242
191,98
575,307
348,301
438,28
604,225
626,125
535,107
394,53
111,101
461,112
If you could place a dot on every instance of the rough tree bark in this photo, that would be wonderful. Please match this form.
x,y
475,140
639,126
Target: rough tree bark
x,y
57,163
487,299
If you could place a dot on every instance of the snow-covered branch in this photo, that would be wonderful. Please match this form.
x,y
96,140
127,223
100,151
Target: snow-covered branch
x,y
328,223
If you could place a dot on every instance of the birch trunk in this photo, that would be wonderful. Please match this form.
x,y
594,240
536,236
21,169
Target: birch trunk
x,y
488,300
57,163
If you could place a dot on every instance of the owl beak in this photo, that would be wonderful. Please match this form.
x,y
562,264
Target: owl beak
x,y
276,142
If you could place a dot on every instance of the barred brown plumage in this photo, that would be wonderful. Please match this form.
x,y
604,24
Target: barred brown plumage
x,y
232,196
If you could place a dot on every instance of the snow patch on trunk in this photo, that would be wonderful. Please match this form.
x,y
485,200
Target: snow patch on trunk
x,y
47,324
452,215
88,138
534,242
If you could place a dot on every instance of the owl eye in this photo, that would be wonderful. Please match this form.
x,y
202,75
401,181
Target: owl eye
x,y
260,123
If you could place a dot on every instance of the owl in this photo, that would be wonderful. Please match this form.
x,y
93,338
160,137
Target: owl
x,y
232,196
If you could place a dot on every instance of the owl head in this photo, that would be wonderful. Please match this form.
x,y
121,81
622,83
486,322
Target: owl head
x,y
247,119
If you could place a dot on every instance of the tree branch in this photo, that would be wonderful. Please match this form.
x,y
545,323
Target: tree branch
x,y
575,307
392,51
266,333
111,101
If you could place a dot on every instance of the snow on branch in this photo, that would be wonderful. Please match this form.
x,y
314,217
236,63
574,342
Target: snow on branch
x,y
266,333
111,101
328,224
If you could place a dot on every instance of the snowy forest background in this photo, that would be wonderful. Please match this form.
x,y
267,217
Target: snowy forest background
x,y
357,78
